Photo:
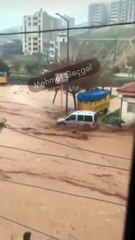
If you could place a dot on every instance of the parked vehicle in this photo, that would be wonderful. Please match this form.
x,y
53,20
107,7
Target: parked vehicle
x,y
83,118
3,77
94,100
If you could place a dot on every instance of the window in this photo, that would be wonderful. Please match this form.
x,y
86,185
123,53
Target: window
x,y
35,39
29,23
88,118
35,18
35,24
39,28
80,117
35,44
71,118
131,107
35,49
51,45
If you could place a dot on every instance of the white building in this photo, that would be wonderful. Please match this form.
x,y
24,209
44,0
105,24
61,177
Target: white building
x,y
61,46
122,11
35,43
130,10
97,14
127,94
118,11
51,51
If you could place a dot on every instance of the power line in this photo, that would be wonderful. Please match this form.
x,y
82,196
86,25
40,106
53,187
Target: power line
x,y
66,145
70,28
28,227
62,192
64,157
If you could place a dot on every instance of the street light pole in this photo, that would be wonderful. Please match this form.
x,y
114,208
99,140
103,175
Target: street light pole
x,y
67,21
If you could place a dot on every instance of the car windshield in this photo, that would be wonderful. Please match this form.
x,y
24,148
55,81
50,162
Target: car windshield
x,y
66,179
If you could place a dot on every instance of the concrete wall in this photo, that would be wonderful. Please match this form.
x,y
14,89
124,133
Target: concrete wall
x,y
128,116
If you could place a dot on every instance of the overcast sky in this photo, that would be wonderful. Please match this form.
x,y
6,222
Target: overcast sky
x,y
11,11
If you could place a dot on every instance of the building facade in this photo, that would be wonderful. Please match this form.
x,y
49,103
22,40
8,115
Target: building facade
x,y
118,11
71,21
127,94
130,10
35,43
122,11
97,14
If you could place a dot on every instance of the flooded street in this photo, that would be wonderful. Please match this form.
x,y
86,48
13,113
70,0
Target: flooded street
x,y
66,183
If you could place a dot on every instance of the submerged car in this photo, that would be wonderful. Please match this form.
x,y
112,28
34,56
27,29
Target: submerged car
x,y
83,118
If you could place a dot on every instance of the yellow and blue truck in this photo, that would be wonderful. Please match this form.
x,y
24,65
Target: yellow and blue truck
x,y
3,77
95,100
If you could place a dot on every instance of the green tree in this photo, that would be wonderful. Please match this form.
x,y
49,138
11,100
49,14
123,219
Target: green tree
x,y
16,65
33,68
4,67
85,83
116,69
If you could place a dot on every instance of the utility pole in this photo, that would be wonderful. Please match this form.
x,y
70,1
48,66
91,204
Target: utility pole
x,y
67,21
27,236
114,60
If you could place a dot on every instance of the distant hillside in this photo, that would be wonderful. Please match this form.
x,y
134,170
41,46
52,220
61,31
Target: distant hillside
x,y
111,44
108,32
4,39
79,31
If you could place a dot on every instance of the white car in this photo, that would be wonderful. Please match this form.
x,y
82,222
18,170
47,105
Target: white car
x,y
84,118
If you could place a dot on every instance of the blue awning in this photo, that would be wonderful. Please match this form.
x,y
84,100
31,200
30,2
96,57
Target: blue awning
x,y
2,74
93,96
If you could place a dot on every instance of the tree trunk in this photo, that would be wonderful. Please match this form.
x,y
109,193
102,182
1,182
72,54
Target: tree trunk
x,y
27,236
74,98
56,91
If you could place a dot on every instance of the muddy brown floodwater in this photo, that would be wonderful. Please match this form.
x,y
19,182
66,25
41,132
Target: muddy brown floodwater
x,y
89,171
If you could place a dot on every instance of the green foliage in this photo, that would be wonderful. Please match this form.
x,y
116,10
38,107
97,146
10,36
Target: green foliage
x,y
16,65
113,118
117,69
4,67
115,32
33,69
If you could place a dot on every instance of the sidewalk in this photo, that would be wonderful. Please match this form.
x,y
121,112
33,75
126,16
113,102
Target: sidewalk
x,y
114,104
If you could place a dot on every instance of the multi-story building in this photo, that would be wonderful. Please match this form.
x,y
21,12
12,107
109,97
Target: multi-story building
x,y
97,14
130,10
122,11
51,51
35,43
118,11
61,46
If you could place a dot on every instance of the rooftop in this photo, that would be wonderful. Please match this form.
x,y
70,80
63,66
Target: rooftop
x,y
127,89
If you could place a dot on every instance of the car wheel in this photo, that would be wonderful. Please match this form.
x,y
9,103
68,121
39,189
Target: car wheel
x,y
105,110
62,124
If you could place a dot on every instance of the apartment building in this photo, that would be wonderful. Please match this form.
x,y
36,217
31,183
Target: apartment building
x,y
35,43
61,46
130,10
122,11
118,11
97,14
